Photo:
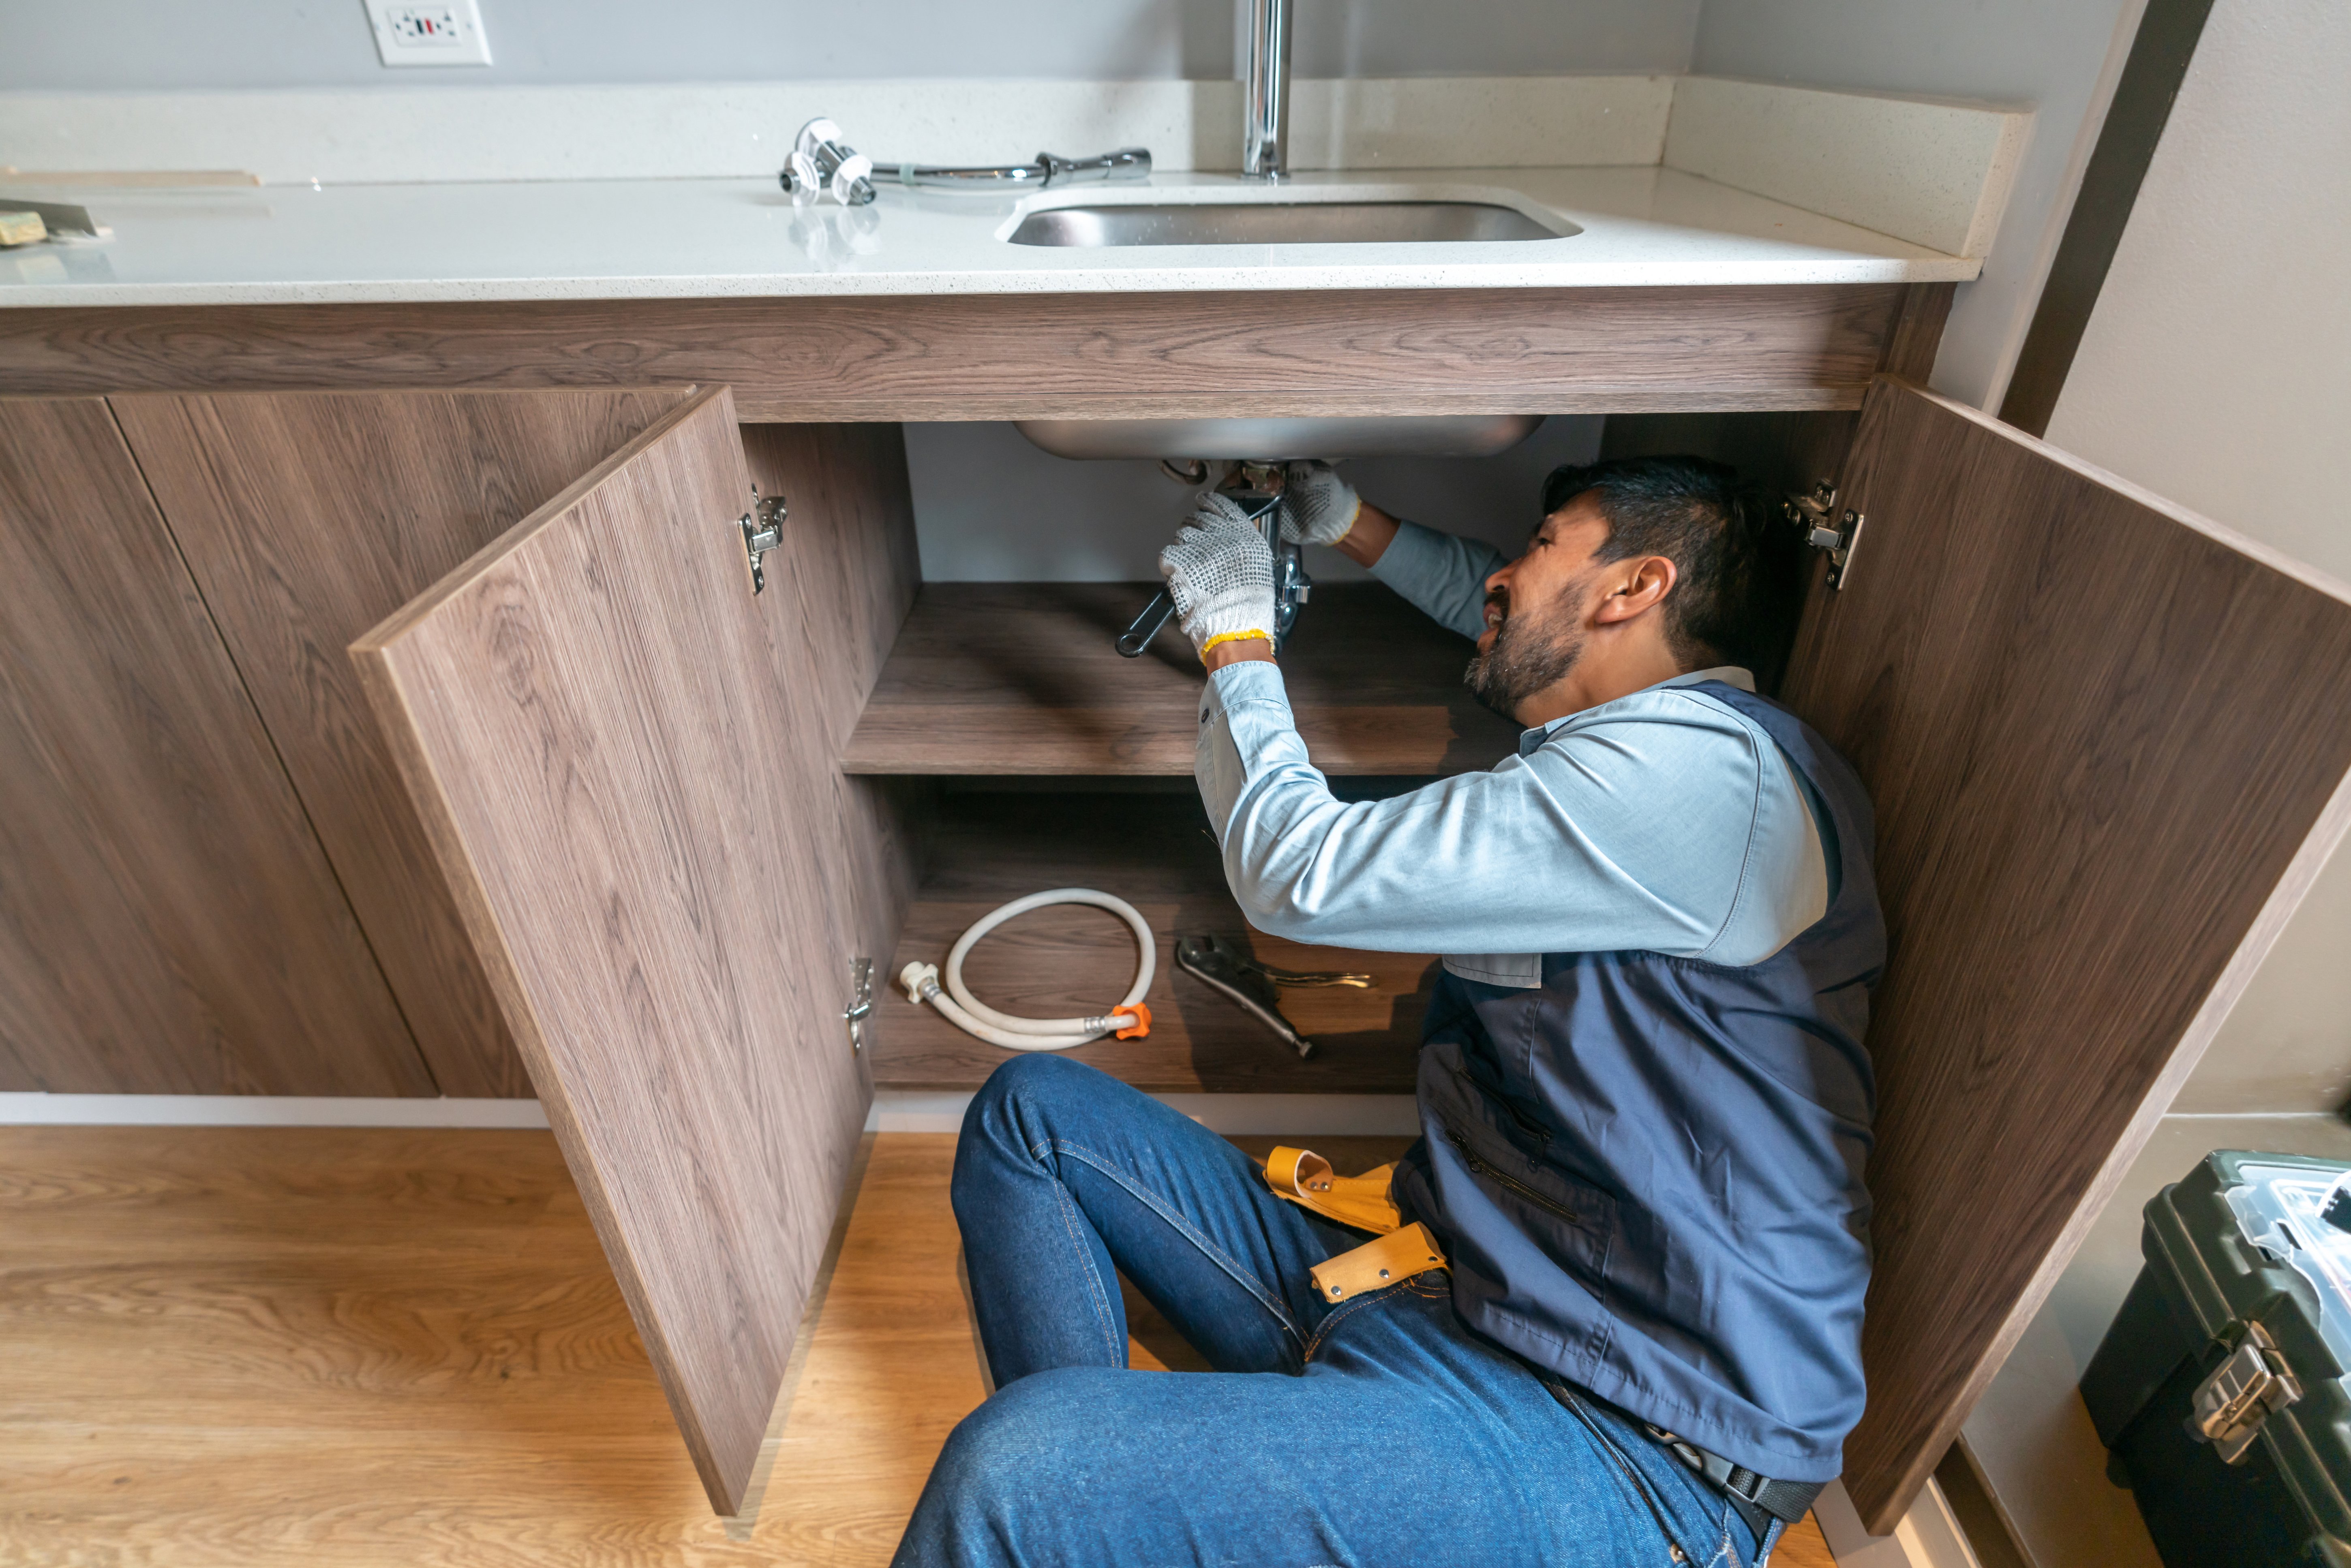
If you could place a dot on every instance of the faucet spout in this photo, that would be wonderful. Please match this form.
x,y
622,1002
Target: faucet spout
x,y
1265,126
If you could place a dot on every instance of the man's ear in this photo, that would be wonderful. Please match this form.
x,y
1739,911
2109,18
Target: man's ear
x,y
1636,586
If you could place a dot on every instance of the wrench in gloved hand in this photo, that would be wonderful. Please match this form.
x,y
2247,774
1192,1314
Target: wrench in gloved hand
x,y
1258,488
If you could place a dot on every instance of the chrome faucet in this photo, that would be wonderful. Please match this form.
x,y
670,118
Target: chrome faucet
x,y
1265,106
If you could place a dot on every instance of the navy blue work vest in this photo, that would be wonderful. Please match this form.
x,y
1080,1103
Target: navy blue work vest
x,y
1647,1171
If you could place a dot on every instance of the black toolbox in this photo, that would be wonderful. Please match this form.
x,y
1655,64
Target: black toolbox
x,y
2219,1389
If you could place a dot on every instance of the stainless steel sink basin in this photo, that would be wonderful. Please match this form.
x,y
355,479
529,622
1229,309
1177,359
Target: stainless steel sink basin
x,y
1280,222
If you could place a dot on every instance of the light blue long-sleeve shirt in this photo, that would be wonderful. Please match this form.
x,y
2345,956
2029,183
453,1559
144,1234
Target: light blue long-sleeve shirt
x,y
1663,822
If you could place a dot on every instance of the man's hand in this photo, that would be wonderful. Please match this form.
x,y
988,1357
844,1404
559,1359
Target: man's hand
x,y
1317,507
1220,574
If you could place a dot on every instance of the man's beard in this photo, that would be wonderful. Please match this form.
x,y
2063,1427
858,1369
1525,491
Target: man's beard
x,y
1526,654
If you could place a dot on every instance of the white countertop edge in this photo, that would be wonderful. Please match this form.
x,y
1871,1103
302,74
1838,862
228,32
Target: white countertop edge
x,y
1123,280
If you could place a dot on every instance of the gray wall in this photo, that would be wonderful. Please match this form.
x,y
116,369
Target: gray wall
x,y
145,45
2055,55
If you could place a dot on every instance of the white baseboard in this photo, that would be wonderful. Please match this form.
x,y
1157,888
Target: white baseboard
x,y
1928,1536
22,1110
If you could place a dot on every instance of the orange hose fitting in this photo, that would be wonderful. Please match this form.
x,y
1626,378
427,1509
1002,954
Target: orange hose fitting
x,y
1141,1023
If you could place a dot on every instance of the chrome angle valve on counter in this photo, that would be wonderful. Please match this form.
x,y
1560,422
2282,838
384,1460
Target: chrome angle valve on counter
x,y
1258,488
822,165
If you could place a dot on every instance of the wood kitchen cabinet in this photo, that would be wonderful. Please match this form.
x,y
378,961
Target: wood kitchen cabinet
x,y
306,518
609,809
2105,740
169,923
189,564
653,758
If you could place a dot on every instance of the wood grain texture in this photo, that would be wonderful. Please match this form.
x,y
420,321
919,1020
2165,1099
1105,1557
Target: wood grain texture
x,y
1787,452
2108,741
619,760
168,923
307,518
235,1348
1155,852
1019,356
1917,336
849,560
314,1348
991,677
1784,454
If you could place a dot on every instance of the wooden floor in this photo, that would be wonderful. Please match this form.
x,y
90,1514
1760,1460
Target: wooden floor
x,y
325,1347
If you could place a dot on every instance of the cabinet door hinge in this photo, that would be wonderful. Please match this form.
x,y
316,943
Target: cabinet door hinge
x,y
763,531
1825,529
861,1001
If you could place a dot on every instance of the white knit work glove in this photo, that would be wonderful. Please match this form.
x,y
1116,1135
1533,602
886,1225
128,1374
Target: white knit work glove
x,y
1220,574
1317,507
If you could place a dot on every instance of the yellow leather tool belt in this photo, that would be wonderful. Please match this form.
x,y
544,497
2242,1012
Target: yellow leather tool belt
x,y
1389,1260
1305,1178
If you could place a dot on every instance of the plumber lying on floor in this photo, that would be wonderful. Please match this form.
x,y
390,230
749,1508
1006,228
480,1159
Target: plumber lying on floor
x,y
1607,1310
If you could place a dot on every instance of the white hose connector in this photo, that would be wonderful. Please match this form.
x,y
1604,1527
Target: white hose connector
x,y
974,1017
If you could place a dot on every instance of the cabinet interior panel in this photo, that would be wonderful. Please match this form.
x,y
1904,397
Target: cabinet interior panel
x,y
1022,678
1154,851
849,567
168,920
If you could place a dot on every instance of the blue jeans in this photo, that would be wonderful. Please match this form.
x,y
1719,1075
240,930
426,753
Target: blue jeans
x,y
1379,1431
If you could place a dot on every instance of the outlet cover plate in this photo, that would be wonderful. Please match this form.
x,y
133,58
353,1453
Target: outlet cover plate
x,y
438,33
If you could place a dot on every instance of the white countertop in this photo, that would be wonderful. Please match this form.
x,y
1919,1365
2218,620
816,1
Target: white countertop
x,y
647,239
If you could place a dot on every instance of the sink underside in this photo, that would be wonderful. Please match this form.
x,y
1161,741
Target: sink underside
x,y
1275,439
1279,223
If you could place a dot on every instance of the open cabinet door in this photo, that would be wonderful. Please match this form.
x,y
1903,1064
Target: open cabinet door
x,y
630,794
2107,742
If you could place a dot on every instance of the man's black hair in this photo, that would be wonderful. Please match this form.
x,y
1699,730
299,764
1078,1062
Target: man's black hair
x,y
1740,568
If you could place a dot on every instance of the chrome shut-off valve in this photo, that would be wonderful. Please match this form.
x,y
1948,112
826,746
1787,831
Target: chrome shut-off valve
x,y
822,165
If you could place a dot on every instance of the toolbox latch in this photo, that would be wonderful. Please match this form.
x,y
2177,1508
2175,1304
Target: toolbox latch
x,y
2240,1393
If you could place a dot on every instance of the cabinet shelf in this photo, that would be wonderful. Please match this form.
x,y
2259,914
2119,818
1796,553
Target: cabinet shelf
x,y
1021,678
1155,852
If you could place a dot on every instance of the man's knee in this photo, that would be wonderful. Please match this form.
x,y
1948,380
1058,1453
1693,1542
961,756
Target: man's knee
x,y
1033,1077
1023,1106
1001,1459
1031,1097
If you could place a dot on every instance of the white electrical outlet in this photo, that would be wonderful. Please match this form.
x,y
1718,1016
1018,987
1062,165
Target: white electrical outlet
x,y
445,34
